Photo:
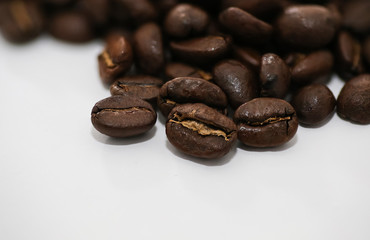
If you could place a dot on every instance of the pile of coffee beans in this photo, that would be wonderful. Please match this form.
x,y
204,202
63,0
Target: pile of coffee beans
x,y
219,71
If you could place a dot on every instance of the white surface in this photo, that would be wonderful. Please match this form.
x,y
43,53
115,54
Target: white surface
x,y
61,179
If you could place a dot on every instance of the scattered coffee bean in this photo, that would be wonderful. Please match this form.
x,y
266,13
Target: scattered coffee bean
x,y
200,131
122,116
266,122
313,104
354,100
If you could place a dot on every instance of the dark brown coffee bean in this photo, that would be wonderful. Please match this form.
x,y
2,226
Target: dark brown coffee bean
x,y
190,90
260,8
366,51
306,26
185,20
144,87
354,100
122,116
239,83
135,12
349,61
116,59
148,47
21,21
201,51
244,26
315,67
71,27
356,16
96,10
313,104
274,76
175,70
266,122
248,56
200,131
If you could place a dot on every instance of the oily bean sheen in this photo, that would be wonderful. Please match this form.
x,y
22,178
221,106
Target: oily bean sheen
x,y
238,82
116,58
354,100
176,69
144,87
274,76
306,26
21,21
309,68
245,26
149,48
313,104
200,131
185,20
122,116
349,61
190,90
71,27
201,51
266,122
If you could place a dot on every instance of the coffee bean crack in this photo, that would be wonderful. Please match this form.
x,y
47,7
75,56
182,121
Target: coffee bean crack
x,y
107,59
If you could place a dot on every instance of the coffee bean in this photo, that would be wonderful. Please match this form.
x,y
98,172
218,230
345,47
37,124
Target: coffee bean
x,y
135,12
175,70
266,122
200,131
190,90
259,8
248,56
354,100
148,47
122,116
356,16
245,26
144,87
21,21
116,59
306,26
313,104
238,82
274,76
96,10
315,67
201,51
185,20
71,27
349,61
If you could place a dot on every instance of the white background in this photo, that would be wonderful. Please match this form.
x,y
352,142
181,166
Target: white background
x,y
61,179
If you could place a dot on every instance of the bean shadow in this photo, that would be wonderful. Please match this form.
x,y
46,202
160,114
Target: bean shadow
x,y
206,162
123,141
281,148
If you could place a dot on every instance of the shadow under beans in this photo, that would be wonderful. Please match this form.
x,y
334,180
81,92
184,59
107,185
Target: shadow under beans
x,y
123,141
281,148
207,162
162,119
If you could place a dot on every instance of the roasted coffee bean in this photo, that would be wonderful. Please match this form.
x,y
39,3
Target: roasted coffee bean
x,y
96,10
356,16
274,76
148,47
21,21
315,67
71,27
239,82
116,59
248,56
314,104
306,26
244,26
349,61
175,70
164,6
200,131
122,116
144,87
266,122
366,51
190,90
134,12
260,8
201,51
185,20
354,100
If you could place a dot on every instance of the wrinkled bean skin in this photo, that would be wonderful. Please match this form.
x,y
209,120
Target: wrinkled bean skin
x,y
354,100
200,131
122,116
266,122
